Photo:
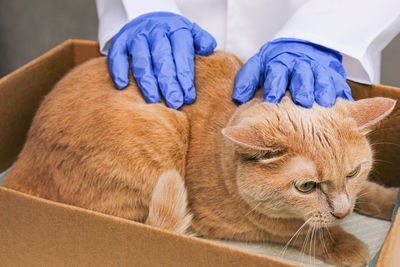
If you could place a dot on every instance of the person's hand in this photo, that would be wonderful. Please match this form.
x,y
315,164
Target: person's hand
x,y
313,73
162,47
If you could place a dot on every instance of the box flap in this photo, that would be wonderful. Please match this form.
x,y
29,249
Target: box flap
x,y
38,232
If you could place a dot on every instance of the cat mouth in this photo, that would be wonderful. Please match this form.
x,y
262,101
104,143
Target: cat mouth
x,y
321,220
323,223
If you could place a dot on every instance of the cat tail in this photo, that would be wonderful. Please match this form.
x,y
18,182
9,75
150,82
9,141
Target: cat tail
x,y
168,206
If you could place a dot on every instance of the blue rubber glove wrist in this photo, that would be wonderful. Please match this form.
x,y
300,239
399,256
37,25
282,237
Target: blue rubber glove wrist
x,y
311,71
162,47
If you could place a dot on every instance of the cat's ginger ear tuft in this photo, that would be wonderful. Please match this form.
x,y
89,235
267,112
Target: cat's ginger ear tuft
x,y
367,112
245,136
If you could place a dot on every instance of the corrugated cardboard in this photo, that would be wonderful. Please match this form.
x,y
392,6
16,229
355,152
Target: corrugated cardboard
x,y
38,232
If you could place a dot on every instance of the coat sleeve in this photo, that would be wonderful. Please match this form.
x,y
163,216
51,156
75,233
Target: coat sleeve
x,y
359,29
114,14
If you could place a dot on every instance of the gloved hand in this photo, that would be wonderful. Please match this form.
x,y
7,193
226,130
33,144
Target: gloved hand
x,y
162,47
312,71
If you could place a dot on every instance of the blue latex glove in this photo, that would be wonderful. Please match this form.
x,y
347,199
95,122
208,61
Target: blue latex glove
x,y
313,72
162,47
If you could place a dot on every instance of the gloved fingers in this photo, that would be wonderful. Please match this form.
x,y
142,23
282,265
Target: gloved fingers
x,y
118,61
324,88
164,68
247,80
204,42
142,69
276,81
302,84
183,53
343,90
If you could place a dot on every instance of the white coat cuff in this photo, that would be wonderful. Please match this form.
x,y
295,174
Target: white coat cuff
x,y
134,9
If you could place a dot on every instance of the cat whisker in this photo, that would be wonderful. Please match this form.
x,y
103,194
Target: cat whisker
x,y
327,229
283,251
304,247
311,243
303,244
309,250
362,195
384,161
314,240
375,171
361,200
377,174
276,205
256,206
321,237
380,129
386,143
357,209
318,231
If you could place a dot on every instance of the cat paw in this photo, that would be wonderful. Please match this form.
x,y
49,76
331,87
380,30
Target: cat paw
x,y
347,250
388,205
382,206
376,200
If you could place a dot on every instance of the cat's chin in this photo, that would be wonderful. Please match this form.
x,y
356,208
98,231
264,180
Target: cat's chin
x,y
321,221
322,224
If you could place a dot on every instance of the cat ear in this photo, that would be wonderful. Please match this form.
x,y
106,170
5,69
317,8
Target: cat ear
x,y
246,136
367,112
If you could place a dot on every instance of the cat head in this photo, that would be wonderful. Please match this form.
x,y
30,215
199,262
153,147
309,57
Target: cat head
x,y
293,162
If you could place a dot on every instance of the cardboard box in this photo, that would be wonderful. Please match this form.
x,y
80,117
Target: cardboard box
x,y
38,232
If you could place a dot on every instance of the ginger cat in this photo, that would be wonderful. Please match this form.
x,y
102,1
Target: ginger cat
x,y
257,172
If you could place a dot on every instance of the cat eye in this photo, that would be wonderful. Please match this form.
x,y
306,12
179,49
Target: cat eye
x,y
306,187
354,172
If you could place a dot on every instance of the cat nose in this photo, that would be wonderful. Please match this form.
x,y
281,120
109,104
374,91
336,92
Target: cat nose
x,y
340,215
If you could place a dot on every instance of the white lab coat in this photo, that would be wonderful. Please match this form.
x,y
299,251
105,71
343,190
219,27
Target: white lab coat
x,y
359,29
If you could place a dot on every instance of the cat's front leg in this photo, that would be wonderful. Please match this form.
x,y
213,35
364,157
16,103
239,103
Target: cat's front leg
x,y
343,248
376,200
334,246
